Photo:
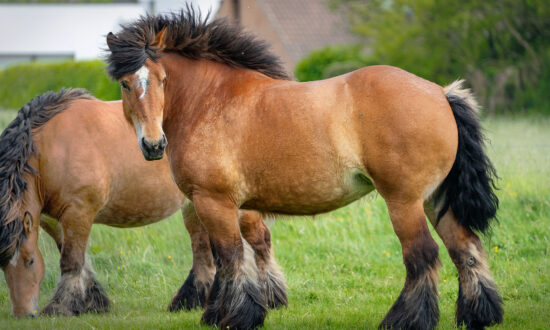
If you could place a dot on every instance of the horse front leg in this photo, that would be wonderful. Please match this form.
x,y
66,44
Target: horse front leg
x,y
192,293
235,299
256,233
417,306
78,291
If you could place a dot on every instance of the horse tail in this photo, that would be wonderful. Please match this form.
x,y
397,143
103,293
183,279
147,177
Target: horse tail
x,y
16,148
469,188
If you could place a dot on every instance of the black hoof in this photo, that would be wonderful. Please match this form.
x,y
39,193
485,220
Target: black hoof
x,y
67,301
70,300
239,304
188,296
275,290
414,309
56,309
211,315
96,299
482,312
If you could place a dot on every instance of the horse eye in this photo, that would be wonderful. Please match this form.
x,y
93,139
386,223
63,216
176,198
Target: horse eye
x,y
164,81
125,85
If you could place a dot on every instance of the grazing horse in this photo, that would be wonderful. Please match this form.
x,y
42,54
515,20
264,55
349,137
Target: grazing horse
x,y
74,160
242,136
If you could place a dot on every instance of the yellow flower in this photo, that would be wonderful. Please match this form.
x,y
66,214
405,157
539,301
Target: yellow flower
x,y
444,281
495,248
169,257
118,267
121,252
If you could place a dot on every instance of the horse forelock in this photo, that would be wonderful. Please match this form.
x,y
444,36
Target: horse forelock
x,y
16,147
192,37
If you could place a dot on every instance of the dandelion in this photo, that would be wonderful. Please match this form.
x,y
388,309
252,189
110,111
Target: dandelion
x,y
495,248
121,252
444,281
35,311
169,257
118,267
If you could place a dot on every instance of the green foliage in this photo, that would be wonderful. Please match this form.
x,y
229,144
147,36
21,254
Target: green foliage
x,y
344,269
501,47
20,83
313,67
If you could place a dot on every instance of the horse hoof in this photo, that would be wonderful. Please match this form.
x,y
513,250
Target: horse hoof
x,y
188,296
96,299
56,309
414,310
484,311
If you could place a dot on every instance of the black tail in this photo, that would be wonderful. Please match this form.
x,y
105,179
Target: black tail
x,y
16,147
469,188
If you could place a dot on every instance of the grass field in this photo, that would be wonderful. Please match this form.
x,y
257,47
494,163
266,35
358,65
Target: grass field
x,y
344,268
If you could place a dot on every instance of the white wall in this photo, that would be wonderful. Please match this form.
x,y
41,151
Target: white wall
x,y
61,31
53,29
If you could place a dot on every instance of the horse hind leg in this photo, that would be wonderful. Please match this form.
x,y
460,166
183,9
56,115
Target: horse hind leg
x,y
78,291
257,235
417,305
478,304
192,293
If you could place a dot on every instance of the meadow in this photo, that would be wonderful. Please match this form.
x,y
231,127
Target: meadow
x,y
344,269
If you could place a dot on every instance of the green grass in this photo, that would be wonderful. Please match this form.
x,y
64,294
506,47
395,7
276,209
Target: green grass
x,y
344,269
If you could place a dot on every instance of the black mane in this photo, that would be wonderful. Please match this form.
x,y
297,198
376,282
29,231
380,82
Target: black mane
x,y
16,147
191,37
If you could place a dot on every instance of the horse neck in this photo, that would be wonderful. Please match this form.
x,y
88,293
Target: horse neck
x,y
199,86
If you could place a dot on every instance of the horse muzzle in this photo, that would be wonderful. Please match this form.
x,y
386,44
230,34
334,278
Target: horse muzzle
x,y
153,150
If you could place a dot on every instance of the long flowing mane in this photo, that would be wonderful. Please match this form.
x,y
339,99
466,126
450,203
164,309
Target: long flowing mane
x,y
16,147
190,36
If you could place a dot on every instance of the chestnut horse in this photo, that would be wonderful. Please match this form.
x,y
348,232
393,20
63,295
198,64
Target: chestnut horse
x,y
242,136
74,160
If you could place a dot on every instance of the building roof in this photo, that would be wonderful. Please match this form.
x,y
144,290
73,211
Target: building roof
x,y
306,25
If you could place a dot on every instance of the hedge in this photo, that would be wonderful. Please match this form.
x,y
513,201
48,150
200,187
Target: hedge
x,y
331,61
20,83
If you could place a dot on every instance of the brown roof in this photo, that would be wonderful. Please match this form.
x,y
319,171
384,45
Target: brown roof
x,y
306,25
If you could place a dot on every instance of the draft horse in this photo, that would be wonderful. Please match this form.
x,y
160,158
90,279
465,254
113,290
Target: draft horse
x,y
242,136
67,161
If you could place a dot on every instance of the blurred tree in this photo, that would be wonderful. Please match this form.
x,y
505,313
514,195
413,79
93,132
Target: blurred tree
x,y
501,46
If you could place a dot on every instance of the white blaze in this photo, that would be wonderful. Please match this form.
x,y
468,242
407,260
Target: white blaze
x,y
143,79
15,258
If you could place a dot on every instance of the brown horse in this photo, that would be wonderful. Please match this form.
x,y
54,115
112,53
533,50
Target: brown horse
x,y
74,160
242,136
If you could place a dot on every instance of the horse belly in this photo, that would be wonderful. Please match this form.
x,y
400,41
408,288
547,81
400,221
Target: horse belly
x,y
140,206
309,196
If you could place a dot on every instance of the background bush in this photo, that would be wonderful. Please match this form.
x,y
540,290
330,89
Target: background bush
x,y
331,61
501,48
20,83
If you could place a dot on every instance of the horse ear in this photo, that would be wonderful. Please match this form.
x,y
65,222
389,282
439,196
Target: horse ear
x,y
111,38
159,41
27,223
